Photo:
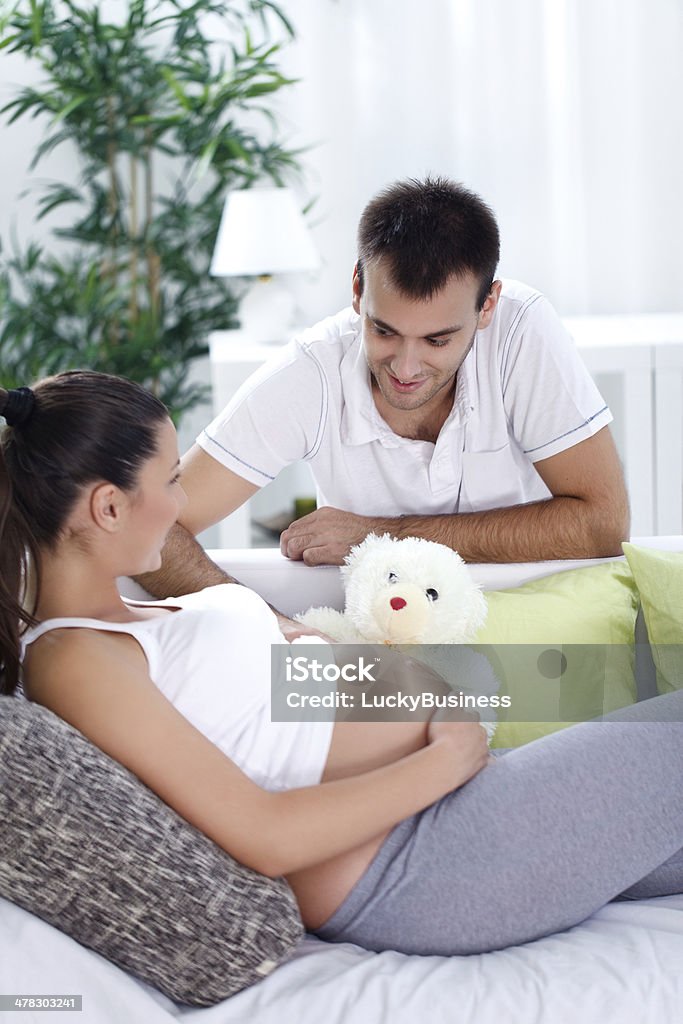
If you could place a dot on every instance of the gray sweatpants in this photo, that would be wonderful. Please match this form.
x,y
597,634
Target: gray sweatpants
x,y
533,844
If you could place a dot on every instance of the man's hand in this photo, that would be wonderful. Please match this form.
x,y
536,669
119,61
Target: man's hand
x,y
587,517
326,536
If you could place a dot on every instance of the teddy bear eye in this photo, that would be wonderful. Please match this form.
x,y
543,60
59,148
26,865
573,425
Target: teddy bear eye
x,y
392,577
432,595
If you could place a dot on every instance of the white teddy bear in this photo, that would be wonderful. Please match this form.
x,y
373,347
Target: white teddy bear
x,y
409,591
412,591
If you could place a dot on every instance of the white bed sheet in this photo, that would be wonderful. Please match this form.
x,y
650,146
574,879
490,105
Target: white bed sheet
x,y
622,966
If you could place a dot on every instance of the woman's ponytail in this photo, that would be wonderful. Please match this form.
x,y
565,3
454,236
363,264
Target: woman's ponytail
x,y
17,405
17,549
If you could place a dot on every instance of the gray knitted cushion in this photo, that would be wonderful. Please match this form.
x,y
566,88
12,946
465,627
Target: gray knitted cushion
x,y
89,849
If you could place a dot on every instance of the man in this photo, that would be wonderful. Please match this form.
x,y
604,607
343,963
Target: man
x,y
444,404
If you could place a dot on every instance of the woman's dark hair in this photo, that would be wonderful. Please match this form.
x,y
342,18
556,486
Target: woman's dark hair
x,y
65,432
428,232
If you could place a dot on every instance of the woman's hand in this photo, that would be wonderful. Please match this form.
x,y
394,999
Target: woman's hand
x,y
292,630
469,744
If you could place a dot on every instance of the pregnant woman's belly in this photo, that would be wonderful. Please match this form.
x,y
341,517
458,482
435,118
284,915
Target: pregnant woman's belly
x,y
356,747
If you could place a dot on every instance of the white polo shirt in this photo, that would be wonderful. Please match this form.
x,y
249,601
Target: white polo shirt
x,y
522,394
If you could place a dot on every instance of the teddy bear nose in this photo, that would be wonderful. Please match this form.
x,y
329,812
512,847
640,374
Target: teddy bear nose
x,y
397,603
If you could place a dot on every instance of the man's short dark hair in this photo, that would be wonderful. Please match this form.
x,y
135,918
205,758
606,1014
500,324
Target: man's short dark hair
x,y
427,232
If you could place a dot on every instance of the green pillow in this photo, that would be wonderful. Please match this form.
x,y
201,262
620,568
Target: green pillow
x,y
659,578
582,618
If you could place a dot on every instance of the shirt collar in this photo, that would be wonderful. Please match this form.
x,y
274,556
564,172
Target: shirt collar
x,y
360,421
465,389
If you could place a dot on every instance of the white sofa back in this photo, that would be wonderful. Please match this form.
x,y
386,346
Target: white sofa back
x,y
294,587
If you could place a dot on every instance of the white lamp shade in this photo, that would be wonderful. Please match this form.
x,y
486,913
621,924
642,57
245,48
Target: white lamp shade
x,y
262,231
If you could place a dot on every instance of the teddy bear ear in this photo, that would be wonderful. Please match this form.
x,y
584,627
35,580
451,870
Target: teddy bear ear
x,y
359,551
352,559
478,610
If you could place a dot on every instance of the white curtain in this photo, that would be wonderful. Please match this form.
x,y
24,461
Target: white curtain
x,y
565,115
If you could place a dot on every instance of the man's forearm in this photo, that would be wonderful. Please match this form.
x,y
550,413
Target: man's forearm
x,y
185,567
561,527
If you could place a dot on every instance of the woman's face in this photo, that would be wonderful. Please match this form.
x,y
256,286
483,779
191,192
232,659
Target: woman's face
x,y
155,504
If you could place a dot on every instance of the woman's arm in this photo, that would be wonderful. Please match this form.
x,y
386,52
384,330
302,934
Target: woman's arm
x,y
101,687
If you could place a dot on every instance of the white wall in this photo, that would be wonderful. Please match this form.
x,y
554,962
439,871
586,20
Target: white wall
x,y
564,114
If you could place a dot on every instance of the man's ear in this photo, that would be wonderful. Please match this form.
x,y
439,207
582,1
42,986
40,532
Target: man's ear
x,y
107,507
490,302
356,290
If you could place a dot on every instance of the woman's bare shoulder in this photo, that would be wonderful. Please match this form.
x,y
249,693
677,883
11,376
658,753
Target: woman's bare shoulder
x,y
69,658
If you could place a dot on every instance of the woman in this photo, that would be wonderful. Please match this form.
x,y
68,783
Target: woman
x,y
399,835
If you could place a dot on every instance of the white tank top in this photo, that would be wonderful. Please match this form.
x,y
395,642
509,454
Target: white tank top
x,y
212,660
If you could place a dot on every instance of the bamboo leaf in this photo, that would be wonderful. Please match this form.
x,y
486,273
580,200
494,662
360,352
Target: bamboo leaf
x,y
261,88
279,13
175,85
205,159
37,10
59,196
72,105
8,40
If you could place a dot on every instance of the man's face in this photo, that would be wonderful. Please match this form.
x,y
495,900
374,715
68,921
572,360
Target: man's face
x,y
414,348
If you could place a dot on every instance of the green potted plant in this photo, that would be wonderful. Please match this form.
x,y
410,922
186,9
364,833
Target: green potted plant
x,y
163,120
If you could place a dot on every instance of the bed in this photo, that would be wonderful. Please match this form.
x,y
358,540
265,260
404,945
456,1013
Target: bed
x,y
625,964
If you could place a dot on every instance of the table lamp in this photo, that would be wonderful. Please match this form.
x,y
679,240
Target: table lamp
x,y
262,234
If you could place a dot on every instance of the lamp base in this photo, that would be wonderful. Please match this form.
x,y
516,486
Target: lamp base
x,y
267,310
